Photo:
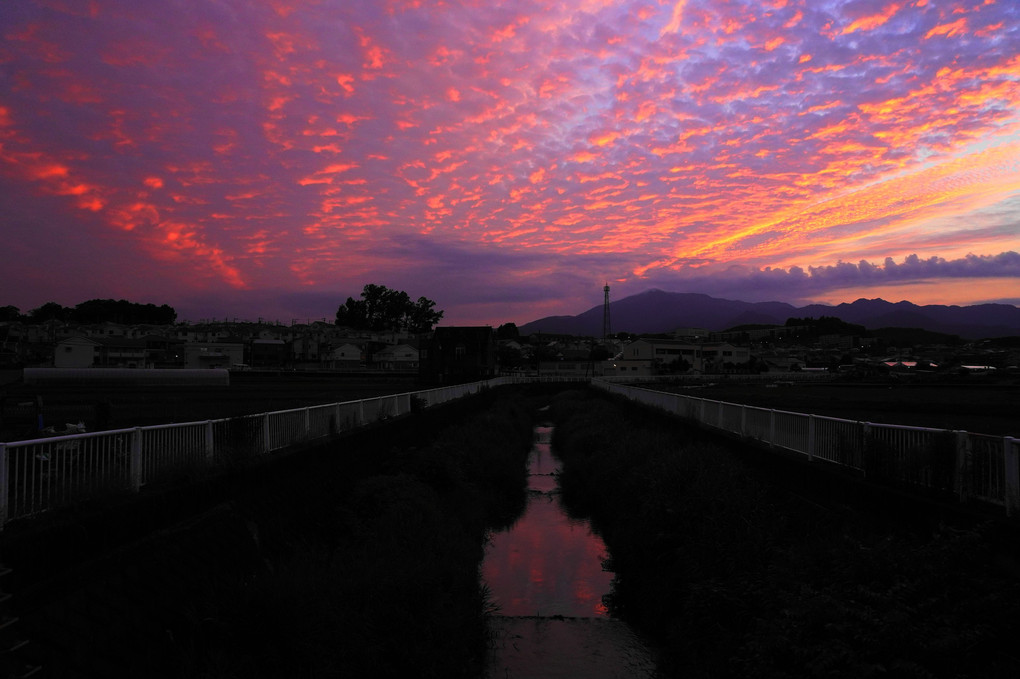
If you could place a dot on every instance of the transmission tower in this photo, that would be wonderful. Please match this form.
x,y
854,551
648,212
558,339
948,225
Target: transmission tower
x,y
605,316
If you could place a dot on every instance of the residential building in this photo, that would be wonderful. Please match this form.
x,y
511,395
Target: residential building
x,y
122,352
347,356
459,354
668,355
403,356
213,354
268,353
76,352
101,352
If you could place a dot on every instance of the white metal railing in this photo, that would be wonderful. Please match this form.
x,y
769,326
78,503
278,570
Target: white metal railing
x,y
978,466
40,474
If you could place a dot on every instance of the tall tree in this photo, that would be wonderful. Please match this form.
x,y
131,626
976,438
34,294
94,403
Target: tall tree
x,y
381,308
508,331
47,312
423,315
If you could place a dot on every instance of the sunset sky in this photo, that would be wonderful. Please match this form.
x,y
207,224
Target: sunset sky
x,y
246,158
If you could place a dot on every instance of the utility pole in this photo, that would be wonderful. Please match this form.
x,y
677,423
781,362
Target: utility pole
x,y
606,331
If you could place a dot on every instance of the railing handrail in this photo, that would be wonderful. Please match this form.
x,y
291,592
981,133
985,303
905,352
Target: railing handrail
x,y
28,466
1005,468
172,425
62,438
797,413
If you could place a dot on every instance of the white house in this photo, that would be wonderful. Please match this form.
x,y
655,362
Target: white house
x,y
346,356
397,357
76,352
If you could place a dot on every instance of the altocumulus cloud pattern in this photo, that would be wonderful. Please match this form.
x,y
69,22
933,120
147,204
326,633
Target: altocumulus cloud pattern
x,y
506,158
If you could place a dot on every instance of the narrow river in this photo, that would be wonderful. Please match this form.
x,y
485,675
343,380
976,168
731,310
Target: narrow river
x,y
545,577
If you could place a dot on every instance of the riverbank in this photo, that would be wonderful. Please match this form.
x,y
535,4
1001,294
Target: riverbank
x,y
359,558
734,573
377,574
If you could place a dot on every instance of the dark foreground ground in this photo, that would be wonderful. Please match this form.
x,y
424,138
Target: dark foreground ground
x,y
738,563
111,407
358,558
977,406
361,558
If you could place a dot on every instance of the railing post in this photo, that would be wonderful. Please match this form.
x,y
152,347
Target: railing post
x,y
811,438
865,458
210,445
135,460
4,495
772,428
337,428
743,419
1011,462
361,413
308,422
267,439
962,484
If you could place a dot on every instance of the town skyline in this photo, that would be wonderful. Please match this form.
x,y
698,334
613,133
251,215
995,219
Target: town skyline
x,y
269,159
649,312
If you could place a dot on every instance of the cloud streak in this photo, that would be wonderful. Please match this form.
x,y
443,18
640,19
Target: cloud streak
x,y
803,283
483,152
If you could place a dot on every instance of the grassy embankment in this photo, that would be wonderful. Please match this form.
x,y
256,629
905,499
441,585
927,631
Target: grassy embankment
x,y
732,574
375,558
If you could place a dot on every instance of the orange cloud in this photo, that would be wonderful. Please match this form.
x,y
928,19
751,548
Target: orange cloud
x,y
604,138
948,30
49,171
346,81
873,21
676,18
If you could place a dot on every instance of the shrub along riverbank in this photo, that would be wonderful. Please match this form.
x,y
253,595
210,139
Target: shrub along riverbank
x,y
732,573
374,555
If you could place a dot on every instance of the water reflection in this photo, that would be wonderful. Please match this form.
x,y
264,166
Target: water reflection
x,y
546,563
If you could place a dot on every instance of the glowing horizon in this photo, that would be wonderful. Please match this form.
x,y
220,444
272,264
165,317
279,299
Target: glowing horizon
x,y
249,159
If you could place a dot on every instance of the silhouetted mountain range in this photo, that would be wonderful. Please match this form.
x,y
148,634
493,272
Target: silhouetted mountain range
x,y
655,311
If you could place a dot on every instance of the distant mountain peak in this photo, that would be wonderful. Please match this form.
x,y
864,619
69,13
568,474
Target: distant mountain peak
x,y
656,311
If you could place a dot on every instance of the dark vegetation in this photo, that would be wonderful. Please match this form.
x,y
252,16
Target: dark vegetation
x,y
375,557
739,566
367,563
909,337
381,308
95,311
826,325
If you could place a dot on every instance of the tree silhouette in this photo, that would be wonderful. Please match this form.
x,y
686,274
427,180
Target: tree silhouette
x,y
381,308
